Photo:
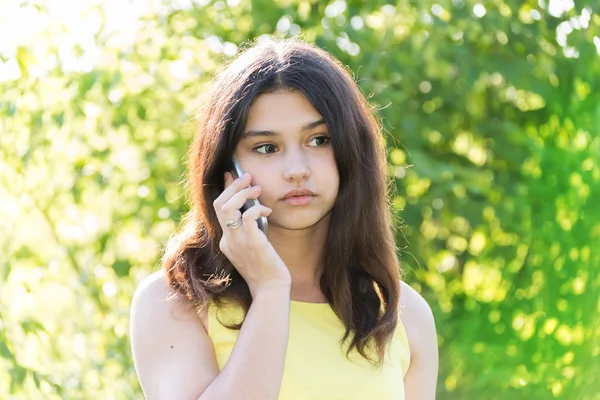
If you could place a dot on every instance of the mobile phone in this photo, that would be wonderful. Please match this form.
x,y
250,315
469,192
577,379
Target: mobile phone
x,y
261,221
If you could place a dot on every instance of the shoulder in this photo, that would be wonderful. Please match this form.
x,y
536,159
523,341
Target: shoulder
x,y
153,287
153,302
418,321
414,308
172,353
150,298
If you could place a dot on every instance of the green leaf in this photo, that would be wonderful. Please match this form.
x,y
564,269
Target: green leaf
x,y
121,267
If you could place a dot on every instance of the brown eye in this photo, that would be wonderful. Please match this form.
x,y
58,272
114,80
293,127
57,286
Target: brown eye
x,y
266,149
319,141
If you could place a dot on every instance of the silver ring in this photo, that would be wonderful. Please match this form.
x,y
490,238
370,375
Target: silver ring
x,y
233,224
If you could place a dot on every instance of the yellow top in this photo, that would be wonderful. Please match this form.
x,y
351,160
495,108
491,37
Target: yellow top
x,y
316,367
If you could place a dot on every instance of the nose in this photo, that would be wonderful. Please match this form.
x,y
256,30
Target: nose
x,y
296,166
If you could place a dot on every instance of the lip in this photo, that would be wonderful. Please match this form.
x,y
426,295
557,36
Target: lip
x,y
298,200
298,193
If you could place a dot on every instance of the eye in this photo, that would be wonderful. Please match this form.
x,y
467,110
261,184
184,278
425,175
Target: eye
x,y
268,148
319,141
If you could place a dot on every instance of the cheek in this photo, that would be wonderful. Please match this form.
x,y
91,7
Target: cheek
x,y
265,179
260,174
262,181
333,176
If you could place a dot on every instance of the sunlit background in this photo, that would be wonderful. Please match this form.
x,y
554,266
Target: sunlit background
x,y
491,111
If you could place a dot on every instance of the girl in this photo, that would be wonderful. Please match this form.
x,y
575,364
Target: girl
x,y
315,308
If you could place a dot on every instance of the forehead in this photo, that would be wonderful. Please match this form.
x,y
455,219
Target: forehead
x,y
286,111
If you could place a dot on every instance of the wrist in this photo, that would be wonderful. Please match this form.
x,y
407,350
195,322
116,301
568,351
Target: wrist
x,y
271,291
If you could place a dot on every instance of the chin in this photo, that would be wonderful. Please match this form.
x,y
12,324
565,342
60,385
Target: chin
x,y
299,222
292,225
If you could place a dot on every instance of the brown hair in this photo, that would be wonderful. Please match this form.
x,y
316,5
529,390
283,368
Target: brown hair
x,y
361,277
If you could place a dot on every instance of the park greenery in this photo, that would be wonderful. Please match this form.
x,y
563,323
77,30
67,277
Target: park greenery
x,y
491,113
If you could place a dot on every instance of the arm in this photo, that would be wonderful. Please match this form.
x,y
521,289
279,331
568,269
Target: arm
x,y
421,378
174,356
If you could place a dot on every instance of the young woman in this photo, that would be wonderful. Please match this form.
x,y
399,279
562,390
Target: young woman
x,y
315,308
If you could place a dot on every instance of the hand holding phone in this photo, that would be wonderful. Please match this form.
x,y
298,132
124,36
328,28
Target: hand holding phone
x,y
261,221
249,250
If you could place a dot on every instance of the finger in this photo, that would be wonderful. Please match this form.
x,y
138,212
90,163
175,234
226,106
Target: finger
x,y
231,189
233,231
238,200
232,208
250,216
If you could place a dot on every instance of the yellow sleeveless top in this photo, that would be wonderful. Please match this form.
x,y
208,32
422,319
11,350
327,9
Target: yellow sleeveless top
x,y
316,367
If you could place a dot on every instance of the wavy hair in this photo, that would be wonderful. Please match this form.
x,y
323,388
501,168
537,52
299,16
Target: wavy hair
x,y
361,280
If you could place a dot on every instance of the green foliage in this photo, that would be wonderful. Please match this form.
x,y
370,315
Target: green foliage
x,y
491,116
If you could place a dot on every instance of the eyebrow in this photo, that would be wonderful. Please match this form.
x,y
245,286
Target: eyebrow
x,y
307,127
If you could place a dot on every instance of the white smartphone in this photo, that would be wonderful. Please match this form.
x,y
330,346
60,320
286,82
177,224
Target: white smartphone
x,y
262,222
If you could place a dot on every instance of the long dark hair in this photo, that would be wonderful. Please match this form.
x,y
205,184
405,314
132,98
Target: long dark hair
x,y
361,275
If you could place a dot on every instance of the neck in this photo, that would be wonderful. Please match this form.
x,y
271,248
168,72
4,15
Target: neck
x,y
301,252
